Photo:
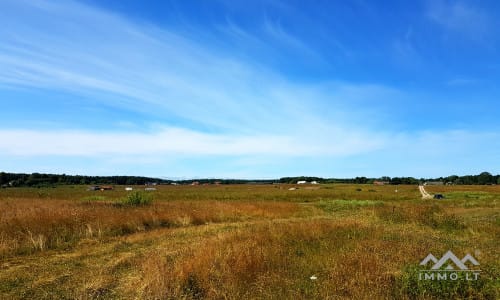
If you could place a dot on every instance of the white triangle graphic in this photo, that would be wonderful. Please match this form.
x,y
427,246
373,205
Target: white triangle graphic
x,y
469,258
429,257
449,256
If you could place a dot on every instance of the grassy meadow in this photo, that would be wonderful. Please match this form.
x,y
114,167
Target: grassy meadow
x,y
244,242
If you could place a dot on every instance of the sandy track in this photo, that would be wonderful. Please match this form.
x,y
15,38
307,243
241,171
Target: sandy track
x,y
424,193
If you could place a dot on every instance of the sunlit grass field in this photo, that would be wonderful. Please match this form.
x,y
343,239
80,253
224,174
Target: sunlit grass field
x,y
244,242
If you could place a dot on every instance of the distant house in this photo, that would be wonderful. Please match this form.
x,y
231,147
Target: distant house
x,y
106,188
377,182
195,183
150,189
314,182
129,189
301,182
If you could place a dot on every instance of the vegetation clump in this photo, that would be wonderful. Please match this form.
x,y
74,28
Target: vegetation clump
x,y
409,285
137,199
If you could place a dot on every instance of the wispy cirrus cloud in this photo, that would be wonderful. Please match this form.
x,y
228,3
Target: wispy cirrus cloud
x,y
59,48
460,17
73,47
211,96
254,111
275,30
81,49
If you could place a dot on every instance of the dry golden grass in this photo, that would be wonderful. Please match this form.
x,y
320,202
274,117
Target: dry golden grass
x,y
353,258
243,242
28,225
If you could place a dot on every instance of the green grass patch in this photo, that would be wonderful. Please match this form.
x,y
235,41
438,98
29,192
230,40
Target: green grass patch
x,y
94,198
444,222
471,196
410,284
137,199
432,216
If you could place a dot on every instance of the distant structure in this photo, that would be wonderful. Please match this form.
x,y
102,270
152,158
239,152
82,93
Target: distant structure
x,y
150,189
433,183
129,189
195,183
314,182
11,183
301,182
100,188
377,182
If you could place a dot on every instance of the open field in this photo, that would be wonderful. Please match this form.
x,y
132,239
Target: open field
x,y
245,242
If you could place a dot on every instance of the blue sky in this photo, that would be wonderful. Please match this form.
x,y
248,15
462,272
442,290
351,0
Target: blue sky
x,y
227,89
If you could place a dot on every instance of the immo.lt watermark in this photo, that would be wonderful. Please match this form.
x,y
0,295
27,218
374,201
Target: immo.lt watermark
x,y
449,267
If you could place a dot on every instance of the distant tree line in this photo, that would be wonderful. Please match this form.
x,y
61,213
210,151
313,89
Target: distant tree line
x,y
481,179
39,180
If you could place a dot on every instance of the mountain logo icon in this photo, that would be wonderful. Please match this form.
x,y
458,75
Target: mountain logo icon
x,y
449,261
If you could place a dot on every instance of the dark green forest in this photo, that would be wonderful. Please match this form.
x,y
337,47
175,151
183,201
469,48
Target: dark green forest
x,y
43,180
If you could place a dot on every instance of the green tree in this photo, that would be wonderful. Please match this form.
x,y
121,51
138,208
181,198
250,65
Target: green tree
x,y
485,178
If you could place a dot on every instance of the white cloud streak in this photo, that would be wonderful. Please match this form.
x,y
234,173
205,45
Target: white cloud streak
x,y
175,141
240,108
460,17
70,46
78,48
180,152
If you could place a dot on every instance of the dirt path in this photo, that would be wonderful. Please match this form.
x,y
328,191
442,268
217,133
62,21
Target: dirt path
x,y
424,193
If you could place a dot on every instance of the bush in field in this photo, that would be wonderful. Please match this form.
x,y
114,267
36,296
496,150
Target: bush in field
x,y
137,199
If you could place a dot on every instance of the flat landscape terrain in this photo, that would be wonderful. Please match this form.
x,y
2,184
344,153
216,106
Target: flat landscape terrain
x,y
245,242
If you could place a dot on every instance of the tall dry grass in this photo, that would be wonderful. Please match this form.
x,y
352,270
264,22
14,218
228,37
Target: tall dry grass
x,y
34,219
253,242
276,261
352,258
28,225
